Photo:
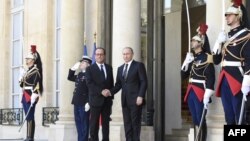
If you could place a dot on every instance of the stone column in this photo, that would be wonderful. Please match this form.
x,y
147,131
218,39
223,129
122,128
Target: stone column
x,y
5,37
215,115
104,25
38,30
126,33
90,27
72,32
173,118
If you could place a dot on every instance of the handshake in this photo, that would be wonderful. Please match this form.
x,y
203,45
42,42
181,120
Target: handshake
x,y
106,93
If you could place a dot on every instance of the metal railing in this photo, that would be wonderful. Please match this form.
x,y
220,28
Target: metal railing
x,y
50,115
14,116
11,116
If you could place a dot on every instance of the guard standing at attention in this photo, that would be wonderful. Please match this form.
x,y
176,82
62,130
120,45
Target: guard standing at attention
x,y
31,81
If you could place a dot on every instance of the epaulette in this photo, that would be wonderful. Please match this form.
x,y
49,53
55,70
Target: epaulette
x,y
205,63
209,58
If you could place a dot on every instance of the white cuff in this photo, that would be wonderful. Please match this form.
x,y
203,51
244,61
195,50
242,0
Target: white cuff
x,y
184,66
217,48
246,80
208,93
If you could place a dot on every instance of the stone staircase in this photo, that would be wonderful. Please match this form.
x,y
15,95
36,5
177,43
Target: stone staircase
x,y
179,134
182,133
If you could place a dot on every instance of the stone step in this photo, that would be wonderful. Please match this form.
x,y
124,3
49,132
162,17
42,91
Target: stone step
x,y
180,132
186,125
175,138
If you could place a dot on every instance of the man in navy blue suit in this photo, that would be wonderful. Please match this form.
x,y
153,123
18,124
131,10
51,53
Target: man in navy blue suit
x,y
132,79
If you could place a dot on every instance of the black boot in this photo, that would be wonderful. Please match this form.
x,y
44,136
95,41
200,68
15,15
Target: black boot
x,y
203,132
30,130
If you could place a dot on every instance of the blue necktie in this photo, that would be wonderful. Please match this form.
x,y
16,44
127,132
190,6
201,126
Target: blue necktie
x,y
102,71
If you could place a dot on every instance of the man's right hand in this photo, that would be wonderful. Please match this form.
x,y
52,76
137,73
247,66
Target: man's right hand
x,y
189,58
86,107
222,37
75,67
106,93
21,73
33,98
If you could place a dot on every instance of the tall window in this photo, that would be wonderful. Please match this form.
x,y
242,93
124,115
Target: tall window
x,y
17,49
57,49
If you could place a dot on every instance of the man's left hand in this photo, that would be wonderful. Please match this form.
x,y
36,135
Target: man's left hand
x,y
33,98
245,90
139,101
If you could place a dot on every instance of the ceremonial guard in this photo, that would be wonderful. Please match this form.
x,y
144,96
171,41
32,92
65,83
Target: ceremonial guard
x,y
80,98
31,82
199,68
232,52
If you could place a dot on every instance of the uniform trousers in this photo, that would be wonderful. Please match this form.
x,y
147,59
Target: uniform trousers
x,y
26,106
195,107
82,122
231,103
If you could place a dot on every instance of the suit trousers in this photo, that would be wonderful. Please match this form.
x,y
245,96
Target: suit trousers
x,y
95,113
132,122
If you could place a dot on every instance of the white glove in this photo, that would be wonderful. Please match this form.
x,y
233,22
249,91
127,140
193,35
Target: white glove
x,y
76,66
33,98
189,58
207,95
87,107
221,39
22,72
245,88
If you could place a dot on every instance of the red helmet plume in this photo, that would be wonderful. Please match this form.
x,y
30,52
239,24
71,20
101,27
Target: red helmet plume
x,y
33,48
237,2
203,28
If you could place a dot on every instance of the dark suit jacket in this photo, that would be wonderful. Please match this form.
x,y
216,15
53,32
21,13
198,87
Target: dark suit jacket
x,y
135,85
96,84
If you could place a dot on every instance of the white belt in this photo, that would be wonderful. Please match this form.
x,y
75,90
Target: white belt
x,y
191,80
28,88
231,63
196,81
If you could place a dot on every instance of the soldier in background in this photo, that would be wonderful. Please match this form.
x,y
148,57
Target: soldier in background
x,y
232,51
80,98
31,81
199,68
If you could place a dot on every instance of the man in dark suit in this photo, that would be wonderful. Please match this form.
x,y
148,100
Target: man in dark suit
x,y
99,77
132,79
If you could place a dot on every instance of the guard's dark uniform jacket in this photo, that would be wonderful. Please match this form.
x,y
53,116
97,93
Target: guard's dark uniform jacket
x,y
201,75
30,83
234,59
80,97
